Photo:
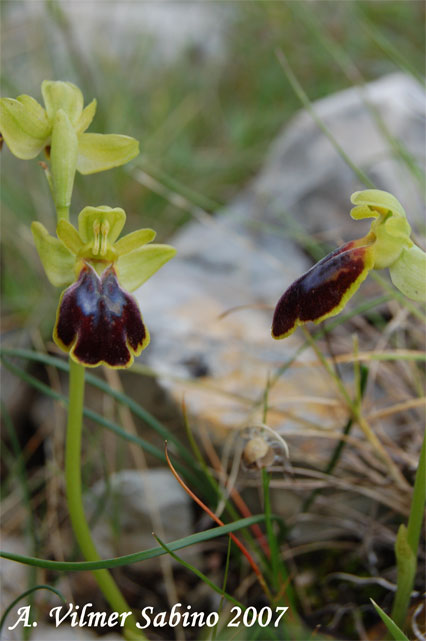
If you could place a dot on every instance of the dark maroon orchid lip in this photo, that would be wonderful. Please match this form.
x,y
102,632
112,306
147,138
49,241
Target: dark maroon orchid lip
x,y
324,289
98,322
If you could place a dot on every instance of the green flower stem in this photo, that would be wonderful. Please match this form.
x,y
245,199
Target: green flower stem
x,y
62,213
75,503
408,542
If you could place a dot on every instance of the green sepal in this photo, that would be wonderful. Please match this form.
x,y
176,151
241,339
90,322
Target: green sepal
x,y
24,126
375,200
89,216
408,273
98,152
63,159
86,117
57,260
62,95
136,267
134,240
68,234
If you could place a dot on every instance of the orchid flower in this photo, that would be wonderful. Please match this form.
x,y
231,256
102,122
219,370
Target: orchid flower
x,y
324,290
98,321
27,128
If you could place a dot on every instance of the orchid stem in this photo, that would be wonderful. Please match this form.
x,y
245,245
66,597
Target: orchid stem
x,y
62,213
75,502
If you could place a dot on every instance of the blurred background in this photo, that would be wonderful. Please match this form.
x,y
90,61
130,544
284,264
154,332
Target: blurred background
x,y
225,155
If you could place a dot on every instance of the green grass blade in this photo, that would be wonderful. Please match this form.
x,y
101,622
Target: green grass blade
x,y
337,452
415,519
225,581
30,528
391,626
122,398
301,94
128,559
343,60
388,47
27,593
272,539
113,427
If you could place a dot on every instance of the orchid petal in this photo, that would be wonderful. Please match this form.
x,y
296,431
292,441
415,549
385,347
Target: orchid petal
x,y
57,260
408,273
325,289
98,322
62,95
24,126
86,117
378,201
136,267
363,211
134,240
98,152
69,236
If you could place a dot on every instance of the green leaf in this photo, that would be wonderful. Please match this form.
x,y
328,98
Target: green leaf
x,y
62,95
391,626
136,267
151,553
24,126
408,273
98,152
26,593
57,260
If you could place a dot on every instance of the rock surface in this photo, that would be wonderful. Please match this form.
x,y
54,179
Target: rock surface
x,y
246,256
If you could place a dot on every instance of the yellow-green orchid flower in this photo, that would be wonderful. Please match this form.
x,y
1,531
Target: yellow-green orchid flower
x,y
325,289
27,128
97,321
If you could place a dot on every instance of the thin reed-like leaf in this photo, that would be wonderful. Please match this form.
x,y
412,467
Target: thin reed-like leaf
x,y
391,626
128,559
137,409
27,593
